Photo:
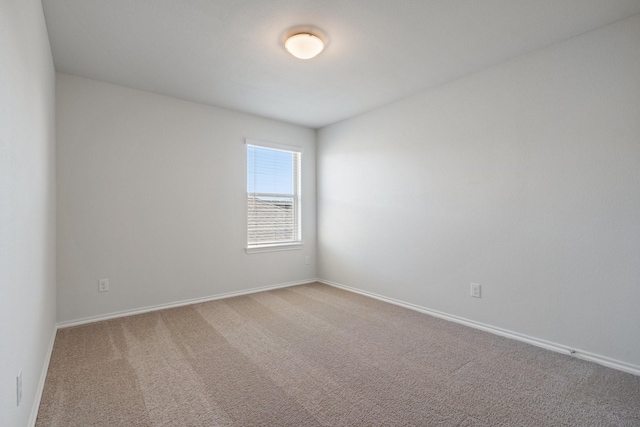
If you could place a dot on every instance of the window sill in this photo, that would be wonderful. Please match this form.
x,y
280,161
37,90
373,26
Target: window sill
x,y
274,248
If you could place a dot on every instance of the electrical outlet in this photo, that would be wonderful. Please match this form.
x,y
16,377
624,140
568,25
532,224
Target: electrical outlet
x,y
19,388
475,290
103,285
306,260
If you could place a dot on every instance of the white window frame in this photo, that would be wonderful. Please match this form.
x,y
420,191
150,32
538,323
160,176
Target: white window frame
x,y
297,196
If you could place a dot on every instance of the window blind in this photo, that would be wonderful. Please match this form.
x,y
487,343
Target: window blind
x,y
273,196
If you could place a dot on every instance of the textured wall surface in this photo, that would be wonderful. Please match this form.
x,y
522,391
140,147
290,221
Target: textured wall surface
x,y
523,178
27,204
152,195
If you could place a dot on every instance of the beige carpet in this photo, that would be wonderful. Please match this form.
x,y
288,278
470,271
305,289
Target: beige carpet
x,y
313,355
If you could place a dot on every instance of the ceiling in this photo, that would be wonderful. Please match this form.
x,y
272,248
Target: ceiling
x,y
230,53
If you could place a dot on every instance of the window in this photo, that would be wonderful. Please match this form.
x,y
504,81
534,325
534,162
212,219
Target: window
x,y
273,196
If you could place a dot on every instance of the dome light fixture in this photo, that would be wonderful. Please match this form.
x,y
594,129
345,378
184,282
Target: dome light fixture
x,y
304,45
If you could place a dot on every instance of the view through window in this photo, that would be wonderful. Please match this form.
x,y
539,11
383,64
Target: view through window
x,y
273,196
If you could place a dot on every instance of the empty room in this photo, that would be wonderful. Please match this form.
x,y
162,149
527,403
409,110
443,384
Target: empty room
x,y
319,213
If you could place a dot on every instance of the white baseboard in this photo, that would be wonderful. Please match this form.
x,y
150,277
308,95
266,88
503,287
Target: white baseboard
x,y
585,355
92,319
581,354
43,377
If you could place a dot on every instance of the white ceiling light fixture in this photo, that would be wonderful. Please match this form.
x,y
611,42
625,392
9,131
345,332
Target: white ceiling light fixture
x,y
304,45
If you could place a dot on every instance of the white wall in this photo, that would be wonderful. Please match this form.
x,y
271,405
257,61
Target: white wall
x,y
524,178
152,195
27,205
